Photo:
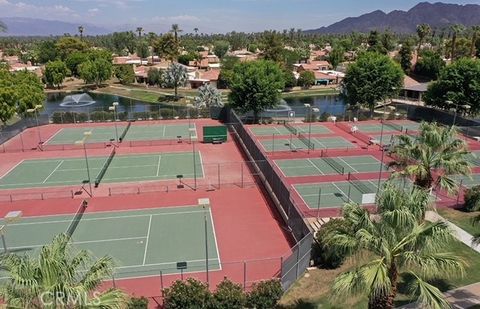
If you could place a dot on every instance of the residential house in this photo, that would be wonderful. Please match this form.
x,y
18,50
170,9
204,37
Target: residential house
x,y
200,78
412,89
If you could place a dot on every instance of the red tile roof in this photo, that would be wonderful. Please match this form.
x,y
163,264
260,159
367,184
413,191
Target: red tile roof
x,y
211,75
320,75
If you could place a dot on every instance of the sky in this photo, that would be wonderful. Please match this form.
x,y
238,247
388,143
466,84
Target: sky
x,y
208,16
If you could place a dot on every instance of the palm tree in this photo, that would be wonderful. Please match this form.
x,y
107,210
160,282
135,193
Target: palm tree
x,y
423,30
80,30
475,32
59,274
139,31
476,237
196,31
397,242
436,150
456,30
175,30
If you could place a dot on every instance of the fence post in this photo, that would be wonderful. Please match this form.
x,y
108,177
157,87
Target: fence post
x,y
281,267
244,275
21,140
113,281
297,262
161,283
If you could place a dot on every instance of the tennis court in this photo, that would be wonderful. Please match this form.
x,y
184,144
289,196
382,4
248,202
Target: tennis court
x,y
474,158
389,125
142,242
335,194
468,181
121,168
328,166
160,132
317,143
287,130
99,135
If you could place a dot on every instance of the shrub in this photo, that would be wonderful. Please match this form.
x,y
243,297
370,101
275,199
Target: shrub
x,y
324,116
69,117
265,294
187,294
229,295
137,303
306,79
326,256
472,199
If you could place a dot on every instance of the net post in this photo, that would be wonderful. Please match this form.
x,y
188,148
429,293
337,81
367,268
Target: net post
x,y
319,200
161,284
113,281
41,195
244,275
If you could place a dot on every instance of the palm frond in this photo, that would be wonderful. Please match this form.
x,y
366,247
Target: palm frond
x,y
429,296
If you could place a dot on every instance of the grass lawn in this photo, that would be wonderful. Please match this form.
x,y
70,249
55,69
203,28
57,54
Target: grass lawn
x,y
461,219
313,291
309,92
152,95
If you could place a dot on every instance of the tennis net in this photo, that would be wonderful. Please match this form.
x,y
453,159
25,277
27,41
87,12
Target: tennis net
x,y
335,165
393,125
104,168
290,127
306,141
125,132
76,219
360,185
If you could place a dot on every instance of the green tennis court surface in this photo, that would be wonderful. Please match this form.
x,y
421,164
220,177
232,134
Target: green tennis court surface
x,y
389,125
328,166
285,144
142,242
335,194
123,168
468,181
99,135
159,131
282,130
474,158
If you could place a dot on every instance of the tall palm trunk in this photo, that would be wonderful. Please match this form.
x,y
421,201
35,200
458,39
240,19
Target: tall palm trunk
x,y
454,42
472,44
393,275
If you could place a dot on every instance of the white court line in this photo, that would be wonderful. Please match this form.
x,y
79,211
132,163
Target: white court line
x,y
341,191
148,237
166,263
277,130
201,164
164,129
215,237
298,193
107,218
158,165
321,144
319,170
51,137
82,242
354,169
56,168
12,168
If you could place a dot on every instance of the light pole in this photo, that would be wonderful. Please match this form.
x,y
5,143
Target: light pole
x,y
194,154
114,109
381,143
309,107
34,110
82,142
189,106
205,203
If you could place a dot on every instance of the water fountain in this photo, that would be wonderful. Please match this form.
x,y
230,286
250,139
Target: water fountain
x,y
77,100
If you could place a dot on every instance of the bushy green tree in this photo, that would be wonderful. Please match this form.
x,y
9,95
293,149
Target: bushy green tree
x,y
74,60
458,83
325,255
67,45
166,47
96,71
226,74
229,295
47,51
175,76
220,48
125,74
306,79
405,54
142,49
273,46
472,199
8,96
186,58
429,65
29,89
336,56
265,294
289,77
154,77
55,73
189,294
256,85
138,303
372,78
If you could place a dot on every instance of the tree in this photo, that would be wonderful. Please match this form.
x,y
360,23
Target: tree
x,y
125,74
423,30
399,241
142,49
289,78
456,30
47,51
436,148
80,30
139,31
55,73
375,44
405,54
265,294
459,83
229,295
137,303
325,255
336,56
475,32
175,76
8,96
67,45
29,89
306,79
472,199
195,30
187,294
59,274
186,58
154,77
96,71
208,96
166,47
220,48
429,65
124,41
372,78
176,30
226,74
74,60
273,46
256,85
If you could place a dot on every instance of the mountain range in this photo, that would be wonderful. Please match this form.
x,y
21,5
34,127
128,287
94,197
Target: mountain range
x,y
21,26
437,15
